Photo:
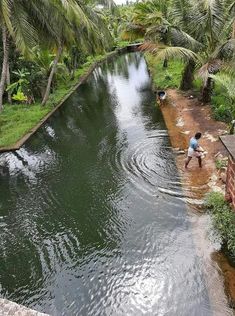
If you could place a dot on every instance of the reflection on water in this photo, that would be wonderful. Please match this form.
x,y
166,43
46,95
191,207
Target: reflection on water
x,y
92,220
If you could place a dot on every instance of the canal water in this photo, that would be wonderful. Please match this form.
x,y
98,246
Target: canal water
x,y
91,219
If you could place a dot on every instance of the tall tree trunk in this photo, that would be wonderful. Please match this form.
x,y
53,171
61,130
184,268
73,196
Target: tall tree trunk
x,y
233,30
8,80
53,70
165,63
4,64
188,76
206,91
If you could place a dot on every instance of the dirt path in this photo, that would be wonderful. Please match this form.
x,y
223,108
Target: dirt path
x,y
184,116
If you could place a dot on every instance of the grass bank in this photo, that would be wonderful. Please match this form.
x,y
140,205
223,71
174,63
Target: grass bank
x,y
164,78
170,77
19,119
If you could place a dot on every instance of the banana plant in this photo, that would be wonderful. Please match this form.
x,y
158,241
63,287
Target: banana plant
x,y
19,88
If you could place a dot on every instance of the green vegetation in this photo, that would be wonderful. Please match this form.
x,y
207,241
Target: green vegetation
x,y
220,104
45,53
171,77
223,218
200,34
18,119
15,121
164,78
219,163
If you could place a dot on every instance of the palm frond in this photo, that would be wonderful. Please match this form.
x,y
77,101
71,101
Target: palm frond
x,y
132,32
225,51
182,13
228,82
210,68
181,38
24,33
5,14
169,52
208,21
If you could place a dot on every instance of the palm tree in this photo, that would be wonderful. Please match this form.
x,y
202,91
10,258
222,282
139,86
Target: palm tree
x,y
202,27
210,26
73,23
165,29
22,21
5,9
53,24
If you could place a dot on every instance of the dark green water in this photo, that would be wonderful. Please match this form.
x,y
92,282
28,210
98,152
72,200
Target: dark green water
x,y
91,222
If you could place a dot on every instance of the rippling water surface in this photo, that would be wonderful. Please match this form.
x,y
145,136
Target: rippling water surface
x,y
91,216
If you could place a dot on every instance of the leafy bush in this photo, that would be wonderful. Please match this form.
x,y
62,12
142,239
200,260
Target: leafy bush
x,y
221,163
221,107
223,218
220,103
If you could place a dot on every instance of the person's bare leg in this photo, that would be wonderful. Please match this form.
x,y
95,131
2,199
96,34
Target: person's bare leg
x,y
200,162
187,162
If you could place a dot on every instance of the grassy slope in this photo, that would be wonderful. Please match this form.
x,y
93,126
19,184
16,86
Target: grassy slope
x,y
18,119
164,78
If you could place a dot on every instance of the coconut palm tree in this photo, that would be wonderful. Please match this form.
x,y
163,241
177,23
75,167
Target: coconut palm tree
x,y
5,12
74,23
212,26
165,29
53,24
203,27
21,21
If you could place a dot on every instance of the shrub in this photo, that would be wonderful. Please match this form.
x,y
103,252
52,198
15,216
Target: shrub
x,y
223,218
219,163
221,108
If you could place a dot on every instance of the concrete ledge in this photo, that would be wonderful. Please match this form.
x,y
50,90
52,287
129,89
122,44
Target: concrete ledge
x,y
8,308
229,144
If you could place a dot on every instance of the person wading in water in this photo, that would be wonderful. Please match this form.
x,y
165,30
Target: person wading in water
x,y
195,150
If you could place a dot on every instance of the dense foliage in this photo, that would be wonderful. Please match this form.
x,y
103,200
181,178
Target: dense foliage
x,y
44,42
199,33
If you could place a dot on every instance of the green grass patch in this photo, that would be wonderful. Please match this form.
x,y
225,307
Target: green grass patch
x,y
18,119
223,219
164,78
220,104
219,101
197,84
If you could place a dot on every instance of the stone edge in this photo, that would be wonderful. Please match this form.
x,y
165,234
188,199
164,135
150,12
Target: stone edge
x,y
8,308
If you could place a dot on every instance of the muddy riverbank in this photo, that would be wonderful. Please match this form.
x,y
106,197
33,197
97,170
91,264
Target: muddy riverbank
x,y
184,116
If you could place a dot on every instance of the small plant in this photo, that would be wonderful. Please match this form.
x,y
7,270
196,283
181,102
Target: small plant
x,y
219,163
20,87
19,96
214,200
